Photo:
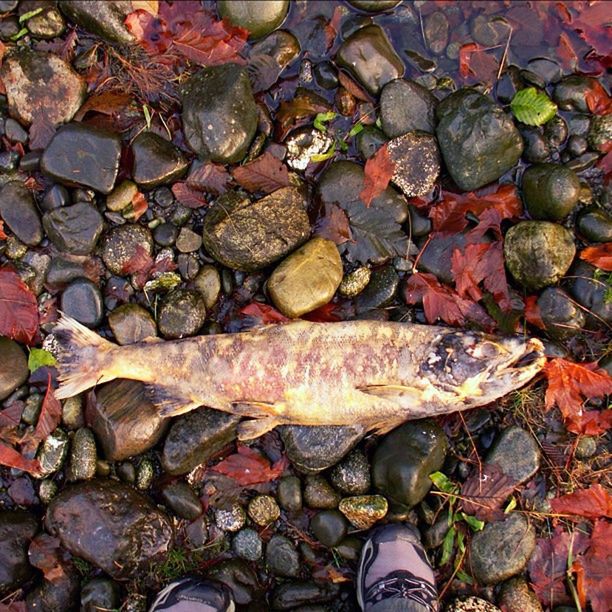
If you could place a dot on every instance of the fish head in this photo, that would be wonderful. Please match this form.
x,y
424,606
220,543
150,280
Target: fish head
x,y
477,369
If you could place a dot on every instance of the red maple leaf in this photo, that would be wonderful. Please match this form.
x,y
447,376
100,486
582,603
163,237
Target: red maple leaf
x,y
248,467
209,177
139,205
297,111
3,236
533,316
46,554
265,173
18,308
333,224
592,503
474,60
600,256
379,170
264,313
188,196
569,386
14,459
441,302
142,266
50,414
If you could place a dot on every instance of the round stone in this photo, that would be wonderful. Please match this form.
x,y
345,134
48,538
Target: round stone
x,y
13,367
595,224
208,283
406,106
131,323
99,594
121,196
363,511
561,315
259,18
516,596
188,241
181,314
53,452
82,301
230,519
352,475
179,496
263,510
319,494
550,191
83,455
122,243
19,213
355,282
248,545
17,528
282,557
74,229
156,161
516,453
329,527
417,163
289,493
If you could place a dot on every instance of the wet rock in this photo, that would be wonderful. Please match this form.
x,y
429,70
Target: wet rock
x,y
478,140
329,527
289,493
355,282
121,196
39,82
53,452
181,314
303,595
145,474
536,149
122,242
156,161
352,475
165,234
471,604
380,291
259,18
18,211
502,549
562,317
489,30
595,224
516,453
369,140
263,510
83,155
363,511
571,92
230,519
74,229
248,236
72,412
248,545
434,536
188,241
59,594
436,32
516,596
590,292
105,18
13,367
406,106
319,494
374,6
369,55
99,594
131,323
181,499
130,530
404,460
550,191
282,557
538,253
303,143
586,447
124,420
307,279
196,437
83,455
82,301
238,577
269,57
17,528
208,283
46,24
556,131
313,449
600,133
219,113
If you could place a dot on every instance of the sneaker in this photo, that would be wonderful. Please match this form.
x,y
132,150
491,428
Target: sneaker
x,y
394,568
194,595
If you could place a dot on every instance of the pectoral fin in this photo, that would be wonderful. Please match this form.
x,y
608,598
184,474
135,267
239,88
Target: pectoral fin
x,y
169,401
253,428
407,397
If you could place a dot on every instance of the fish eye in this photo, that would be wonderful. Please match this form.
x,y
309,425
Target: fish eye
x,y
486,350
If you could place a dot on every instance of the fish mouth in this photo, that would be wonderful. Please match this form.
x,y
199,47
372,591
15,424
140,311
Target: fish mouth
x,y
532,356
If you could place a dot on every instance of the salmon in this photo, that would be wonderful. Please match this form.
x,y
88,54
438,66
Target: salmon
x,y
378,374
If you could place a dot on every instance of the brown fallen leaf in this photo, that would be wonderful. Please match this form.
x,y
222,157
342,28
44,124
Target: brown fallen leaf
x,y
265,173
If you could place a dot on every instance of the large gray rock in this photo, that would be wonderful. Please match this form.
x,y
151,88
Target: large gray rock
x,y
18,211
259,18
478,140
249,235
516,453
219,113
17,528
39,83
13,367
102,17
74,229
406,106
110,525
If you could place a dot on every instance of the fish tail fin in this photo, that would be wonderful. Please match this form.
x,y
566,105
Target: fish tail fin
x,y
82,357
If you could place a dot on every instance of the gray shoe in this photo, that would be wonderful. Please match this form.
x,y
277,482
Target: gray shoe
x,y
394,573
194,595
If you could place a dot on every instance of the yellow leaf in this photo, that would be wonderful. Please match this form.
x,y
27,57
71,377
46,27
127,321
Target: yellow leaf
x,y
151,6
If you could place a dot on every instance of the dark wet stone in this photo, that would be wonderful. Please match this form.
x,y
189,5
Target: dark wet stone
x,y
516,453
313,449
83,455
17,528
369,140
352,475
106,18
247,545
238,577
556,131
570,92
181,314
292,595
130,531
13,367
259,18
516,596
406,106
502,549
576,145
536,148
165,234
437,255
18,211
289,493
53,452
196,437
248,236
380,291
83,155
74,229
404,460
282,557
181,499
40,82
319,494
219,113
326,75
58,594
489,30
436,28
538,253
434,536
329,527
590,292
124,420
122,243
99,594
374,6
600,133
269,57
47,23
82,301
126,471
15,133
62,271
369,55
550,191
156,161
562,317
595,224
478,140
56,197
8,5
131,323
9,27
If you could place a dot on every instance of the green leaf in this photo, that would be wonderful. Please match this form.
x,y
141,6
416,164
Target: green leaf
x,y
319,157
448,546
147,114
39,358
30,14
19,34
464,577
443,482
322,118
511,505
358,127
532,107
473,522
461,541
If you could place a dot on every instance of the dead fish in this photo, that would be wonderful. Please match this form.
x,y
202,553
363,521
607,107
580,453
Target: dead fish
x,y
377,374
